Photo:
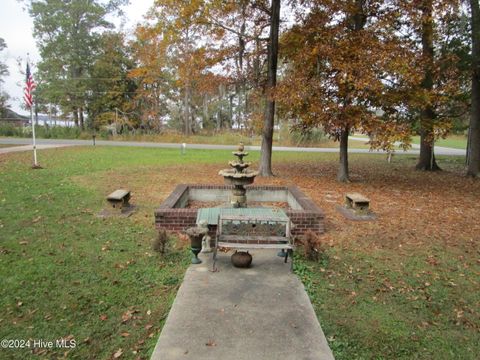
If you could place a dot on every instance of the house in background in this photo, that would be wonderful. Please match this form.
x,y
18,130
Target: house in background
x,y
10,117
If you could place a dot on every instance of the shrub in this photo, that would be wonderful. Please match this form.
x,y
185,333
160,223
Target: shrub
x,y
10,130
312,246
159,243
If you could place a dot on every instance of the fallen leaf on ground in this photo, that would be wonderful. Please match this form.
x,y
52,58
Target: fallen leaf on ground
x,y
211,343
127,316
118,353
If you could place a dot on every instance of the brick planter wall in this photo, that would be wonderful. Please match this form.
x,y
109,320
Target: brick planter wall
x,y
172,217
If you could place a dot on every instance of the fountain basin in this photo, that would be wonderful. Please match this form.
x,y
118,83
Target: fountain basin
x,y
234,178
239,166
238,199
174,215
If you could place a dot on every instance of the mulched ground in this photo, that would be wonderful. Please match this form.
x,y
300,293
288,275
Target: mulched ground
x,y
412,208
209,204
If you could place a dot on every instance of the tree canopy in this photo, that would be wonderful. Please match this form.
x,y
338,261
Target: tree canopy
x,y
389,69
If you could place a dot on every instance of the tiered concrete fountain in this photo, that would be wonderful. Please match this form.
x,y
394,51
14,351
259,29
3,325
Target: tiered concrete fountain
x,y
239,176
175,215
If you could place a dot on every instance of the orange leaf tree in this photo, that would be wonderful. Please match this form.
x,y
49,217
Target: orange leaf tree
x,y
343,66
437,79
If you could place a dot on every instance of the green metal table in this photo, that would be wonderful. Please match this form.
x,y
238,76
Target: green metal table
x,y
211,214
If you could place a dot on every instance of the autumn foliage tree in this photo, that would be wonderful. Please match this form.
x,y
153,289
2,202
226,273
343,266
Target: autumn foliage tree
x,y
175,55
425,24
153,75
236,29
210,57
339,57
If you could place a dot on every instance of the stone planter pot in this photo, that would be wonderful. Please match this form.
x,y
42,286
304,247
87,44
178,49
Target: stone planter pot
x,y
241,259
196,235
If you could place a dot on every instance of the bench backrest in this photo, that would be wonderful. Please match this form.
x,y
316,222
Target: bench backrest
x,y
253,228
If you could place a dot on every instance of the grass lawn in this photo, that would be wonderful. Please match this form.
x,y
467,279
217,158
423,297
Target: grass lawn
x,y
405,286
452,141
234,138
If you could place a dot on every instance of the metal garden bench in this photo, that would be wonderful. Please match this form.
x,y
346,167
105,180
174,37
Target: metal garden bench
x,y
253,232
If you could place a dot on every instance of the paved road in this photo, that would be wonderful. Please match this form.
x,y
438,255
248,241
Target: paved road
x,y
64,142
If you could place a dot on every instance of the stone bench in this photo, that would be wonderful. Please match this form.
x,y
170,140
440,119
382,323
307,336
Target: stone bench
x,y
253,232
359,203
119,199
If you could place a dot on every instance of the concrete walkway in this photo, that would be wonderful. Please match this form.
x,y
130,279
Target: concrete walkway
x,y
242,314
30,148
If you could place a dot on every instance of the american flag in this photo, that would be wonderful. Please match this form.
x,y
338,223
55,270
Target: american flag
x,y
29,88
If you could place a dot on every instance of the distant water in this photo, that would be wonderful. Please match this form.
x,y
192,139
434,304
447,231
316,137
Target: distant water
x,y
52,122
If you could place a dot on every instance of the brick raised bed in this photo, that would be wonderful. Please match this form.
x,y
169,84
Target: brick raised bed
x,y
173,215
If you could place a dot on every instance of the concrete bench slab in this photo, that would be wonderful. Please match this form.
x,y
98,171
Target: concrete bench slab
x,y
357,201
118,195
120,206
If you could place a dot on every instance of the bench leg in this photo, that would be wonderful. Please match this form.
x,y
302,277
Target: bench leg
x,y
214,268
286,256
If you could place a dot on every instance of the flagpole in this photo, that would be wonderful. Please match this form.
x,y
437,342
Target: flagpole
x,y
35,164
28,96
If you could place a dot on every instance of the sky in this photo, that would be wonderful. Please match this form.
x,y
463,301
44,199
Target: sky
x,y
16,28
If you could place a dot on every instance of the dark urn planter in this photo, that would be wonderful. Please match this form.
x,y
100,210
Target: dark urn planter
x,y
196,235
241,259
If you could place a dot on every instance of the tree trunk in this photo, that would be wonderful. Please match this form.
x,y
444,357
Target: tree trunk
x,y
359,20
426,160
239,92
245,102
75,117
186,109
205,111
230,111
267,136
474,131
256,63
80,115
342,174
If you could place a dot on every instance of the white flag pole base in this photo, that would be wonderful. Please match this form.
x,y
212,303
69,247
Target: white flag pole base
x,y
35,162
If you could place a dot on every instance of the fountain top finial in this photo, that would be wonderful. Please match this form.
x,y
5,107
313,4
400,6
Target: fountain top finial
x,y
240,154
